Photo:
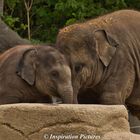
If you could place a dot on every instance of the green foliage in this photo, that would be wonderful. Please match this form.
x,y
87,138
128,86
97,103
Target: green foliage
x,y
133,4
12,15
48,16
11,20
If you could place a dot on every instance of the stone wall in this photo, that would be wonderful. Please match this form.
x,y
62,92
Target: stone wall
x,y
64,122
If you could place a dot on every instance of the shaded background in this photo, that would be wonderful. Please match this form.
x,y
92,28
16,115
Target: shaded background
x,y
48,16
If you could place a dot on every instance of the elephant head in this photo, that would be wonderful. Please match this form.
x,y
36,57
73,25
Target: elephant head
x,y
89,51
47,70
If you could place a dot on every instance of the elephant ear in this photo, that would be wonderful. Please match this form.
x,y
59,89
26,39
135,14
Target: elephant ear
x,y
27,65
105,46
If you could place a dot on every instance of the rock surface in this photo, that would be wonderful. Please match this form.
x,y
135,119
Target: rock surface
x,y
64,122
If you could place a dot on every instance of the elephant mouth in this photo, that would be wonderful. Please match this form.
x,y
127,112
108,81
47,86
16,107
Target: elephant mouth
x,y
55,96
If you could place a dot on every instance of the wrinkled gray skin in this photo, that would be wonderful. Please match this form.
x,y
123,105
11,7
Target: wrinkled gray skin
x,y
104,56
33,74
134,119
9,38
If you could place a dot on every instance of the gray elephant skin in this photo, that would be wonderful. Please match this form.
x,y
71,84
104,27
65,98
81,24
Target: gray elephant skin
x,y
9,38
34,74
104,56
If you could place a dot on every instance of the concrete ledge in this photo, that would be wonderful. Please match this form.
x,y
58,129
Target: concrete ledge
x,y
50,122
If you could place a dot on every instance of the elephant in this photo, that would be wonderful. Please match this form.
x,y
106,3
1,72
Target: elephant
x,y
34,74
134,119
9,38
104,56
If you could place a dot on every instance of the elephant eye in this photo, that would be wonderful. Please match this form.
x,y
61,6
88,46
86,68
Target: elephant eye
x,y
55,74
78,67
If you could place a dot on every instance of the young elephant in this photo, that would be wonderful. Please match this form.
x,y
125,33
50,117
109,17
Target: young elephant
x,y
104,55
32,74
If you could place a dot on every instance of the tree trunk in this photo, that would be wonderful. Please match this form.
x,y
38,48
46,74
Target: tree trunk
x,y
1,6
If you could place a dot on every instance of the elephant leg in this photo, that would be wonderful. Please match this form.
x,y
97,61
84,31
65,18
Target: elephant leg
x,y
134,123
134,118
110,98
118,86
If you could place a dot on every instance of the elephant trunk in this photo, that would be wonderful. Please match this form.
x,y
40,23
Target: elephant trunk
x,y
66,93
75,98
76,88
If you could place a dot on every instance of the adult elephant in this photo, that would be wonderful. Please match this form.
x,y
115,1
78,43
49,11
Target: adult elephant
x,y
104,55
9,38
33,74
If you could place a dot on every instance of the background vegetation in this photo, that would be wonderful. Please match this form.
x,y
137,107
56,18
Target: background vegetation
x,y
46,17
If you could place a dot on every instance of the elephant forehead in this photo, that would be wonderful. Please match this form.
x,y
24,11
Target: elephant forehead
x,y
81,55
52,58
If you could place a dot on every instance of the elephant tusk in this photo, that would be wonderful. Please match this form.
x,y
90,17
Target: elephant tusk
x,y
56,100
